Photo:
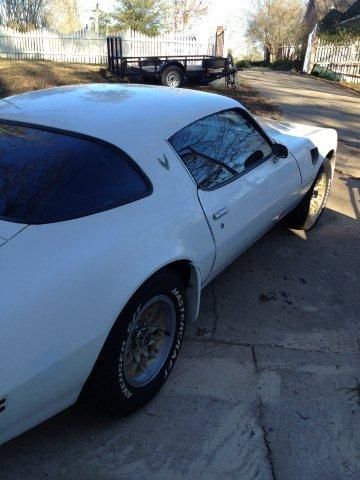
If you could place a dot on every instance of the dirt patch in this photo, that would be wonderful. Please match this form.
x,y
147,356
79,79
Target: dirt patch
x,y
19,76
351,86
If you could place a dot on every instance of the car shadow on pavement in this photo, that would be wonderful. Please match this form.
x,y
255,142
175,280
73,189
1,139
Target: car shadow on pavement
x,y
353,185
286,286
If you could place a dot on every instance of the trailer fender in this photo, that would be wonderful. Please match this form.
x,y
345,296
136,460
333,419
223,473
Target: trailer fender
x,y
170,63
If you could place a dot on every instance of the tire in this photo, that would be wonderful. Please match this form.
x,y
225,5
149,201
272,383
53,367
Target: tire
x,y
172,76
309,210
115,383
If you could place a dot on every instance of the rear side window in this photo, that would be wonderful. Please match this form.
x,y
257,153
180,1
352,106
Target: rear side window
x,y
48,176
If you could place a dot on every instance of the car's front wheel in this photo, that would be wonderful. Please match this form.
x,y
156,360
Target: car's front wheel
x,y
142,346
306,214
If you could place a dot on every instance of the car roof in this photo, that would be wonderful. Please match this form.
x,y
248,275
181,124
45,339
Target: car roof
x,y
118,113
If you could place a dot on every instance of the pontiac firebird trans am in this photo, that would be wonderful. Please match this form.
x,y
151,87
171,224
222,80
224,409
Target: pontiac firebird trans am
x,y
118,204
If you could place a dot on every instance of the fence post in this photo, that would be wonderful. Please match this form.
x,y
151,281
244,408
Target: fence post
x,y
219,42
313,43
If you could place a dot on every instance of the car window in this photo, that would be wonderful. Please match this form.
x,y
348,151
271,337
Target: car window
x,y
220,147
49,176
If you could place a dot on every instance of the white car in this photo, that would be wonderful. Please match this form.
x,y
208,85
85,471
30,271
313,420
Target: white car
x,y
118,204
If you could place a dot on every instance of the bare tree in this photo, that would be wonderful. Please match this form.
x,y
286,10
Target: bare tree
x,y
23,15
185,12
62,16
276,24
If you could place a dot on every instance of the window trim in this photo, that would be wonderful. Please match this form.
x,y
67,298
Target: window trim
x,y
117,150
252,121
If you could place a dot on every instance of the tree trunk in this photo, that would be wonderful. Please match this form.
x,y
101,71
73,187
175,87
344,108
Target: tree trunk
x,y
267,55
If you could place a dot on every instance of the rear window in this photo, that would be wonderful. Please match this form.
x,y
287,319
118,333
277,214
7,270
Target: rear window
x,y
48,176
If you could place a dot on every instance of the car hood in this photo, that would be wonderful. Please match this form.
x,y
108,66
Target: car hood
x,y
308,144
300,138
285,131
9,230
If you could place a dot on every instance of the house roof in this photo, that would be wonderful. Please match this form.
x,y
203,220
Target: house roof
x,y
352,11
350,17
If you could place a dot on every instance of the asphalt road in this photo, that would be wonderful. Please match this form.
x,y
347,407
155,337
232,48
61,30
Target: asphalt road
x,y
307,99
267,385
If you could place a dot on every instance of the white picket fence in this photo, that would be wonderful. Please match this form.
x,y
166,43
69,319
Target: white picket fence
x,y
138,45
341,59
84,47
79,47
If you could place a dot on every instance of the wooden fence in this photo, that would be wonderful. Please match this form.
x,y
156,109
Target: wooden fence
x,y
341,59
84,47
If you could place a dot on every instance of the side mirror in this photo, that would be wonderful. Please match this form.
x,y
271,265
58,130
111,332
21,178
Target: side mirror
x,y
279,150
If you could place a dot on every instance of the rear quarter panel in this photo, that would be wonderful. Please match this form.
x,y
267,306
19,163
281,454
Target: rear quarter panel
x,y
64,284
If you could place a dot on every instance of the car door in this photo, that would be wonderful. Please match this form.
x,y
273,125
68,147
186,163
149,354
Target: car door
x,y
242,187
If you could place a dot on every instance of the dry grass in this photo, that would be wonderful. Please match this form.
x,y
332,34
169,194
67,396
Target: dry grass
x,y
18,76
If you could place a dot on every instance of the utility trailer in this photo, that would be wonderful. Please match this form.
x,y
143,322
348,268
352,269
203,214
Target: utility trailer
x,y
171,70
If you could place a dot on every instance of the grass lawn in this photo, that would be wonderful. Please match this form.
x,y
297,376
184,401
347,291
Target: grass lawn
x,y
18,76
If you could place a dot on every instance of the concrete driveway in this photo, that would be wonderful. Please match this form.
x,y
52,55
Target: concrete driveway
x,y
267,385
306,99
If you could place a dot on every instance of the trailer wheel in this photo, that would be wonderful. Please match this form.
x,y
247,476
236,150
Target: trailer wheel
x,y
172,76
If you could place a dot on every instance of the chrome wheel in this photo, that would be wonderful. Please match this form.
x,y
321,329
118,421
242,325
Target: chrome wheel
x,y
149,341
318,195
173,79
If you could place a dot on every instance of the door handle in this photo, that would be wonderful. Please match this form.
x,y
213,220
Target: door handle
x,y
220,213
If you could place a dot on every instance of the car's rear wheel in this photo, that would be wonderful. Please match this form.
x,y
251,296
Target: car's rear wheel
x,y
306,214
142,346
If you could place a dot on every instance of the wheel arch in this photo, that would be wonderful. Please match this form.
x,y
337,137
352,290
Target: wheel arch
x,y
190,274
331,156
172,63
192,278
